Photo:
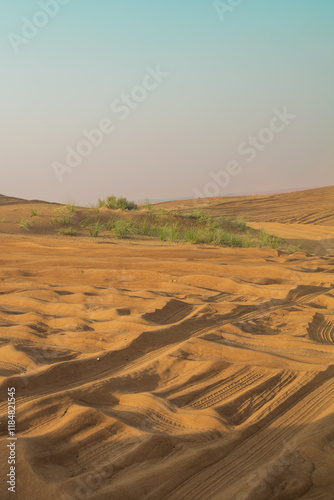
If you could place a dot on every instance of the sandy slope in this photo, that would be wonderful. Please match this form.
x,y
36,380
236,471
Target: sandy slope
x,y
167,372
313,206
315,238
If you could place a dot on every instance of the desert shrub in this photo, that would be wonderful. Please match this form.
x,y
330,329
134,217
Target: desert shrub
x,y
275,241
95,228
121,228
225,238
269,240
120,203
213,224
192,235
71,207
110,224
264,237
199,214
68,231
66,219
144,228
248,242
101,203
25,224
240,223
172,232
86,222
162,233
54,220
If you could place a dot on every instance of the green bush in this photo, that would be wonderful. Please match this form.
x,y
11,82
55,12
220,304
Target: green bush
x,y
66,219
192,235
240,223
173,233
119,203
101,203
110,224
224,238
144,228
95,229
162,233
121,228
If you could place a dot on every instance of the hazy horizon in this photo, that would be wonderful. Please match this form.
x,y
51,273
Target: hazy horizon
x,y
165,101
160,200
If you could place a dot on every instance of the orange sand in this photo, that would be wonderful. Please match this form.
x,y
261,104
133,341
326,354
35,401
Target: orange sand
x,y
167,372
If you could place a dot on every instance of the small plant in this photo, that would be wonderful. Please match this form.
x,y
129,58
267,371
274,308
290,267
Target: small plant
x,y
198,214
249,242
110,224
86,222
213,224
192,235
173,232
264,237
3,218
148,205
71,207
54,220
25,224
34,212
235,241
205,236
220,237
275,241
68,231
240,223
269,240
101,203
162,233
121,228
144,228
224,238
95,229
67,219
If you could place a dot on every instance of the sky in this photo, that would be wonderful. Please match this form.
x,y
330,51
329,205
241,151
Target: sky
x,y
165,99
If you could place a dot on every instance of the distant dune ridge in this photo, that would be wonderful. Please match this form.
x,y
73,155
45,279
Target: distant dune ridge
x,y
158,371
313,206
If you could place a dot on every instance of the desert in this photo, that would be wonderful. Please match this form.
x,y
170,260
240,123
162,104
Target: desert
x,y
152,368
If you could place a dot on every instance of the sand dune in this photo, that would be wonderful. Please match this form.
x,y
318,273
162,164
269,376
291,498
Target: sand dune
x,y
156,371
313,206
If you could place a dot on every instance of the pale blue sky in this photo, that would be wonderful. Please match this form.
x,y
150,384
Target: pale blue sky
x,y
225,78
